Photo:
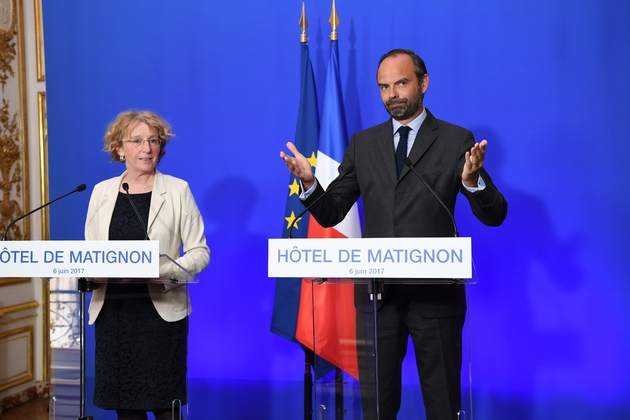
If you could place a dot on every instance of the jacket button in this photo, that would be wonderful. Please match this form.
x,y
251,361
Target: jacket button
x,y
396,222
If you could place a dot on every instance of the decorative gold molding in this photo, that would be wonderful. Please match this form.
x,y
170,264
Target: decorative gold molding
x,y
43,161
17,308
6,338
46,330
7,43
42,124
23,107
39,41
14,163
14,181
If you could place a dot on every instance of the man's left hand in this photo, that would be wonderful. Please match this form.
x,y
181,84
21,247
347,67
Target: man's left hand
x,y
474,162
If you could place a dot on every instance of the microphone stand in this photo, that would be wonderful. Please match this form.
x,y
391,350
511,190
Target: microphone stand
x,y
6,232
409,164
135,209
84,285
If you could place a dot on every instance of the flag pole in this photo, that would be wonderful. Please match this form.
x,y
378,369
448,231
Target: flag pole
x,y
339,405
288,291
308,353
334,22
303,24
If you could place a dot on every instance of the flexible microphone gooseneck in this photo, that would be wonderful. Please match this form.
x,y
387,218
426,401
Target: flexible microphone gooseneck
x,y
348,170
409,164
6,232
135,209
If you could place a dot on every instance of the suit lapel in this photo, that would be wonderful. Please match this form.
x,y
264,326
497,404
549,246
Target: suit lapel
x,y
424,139
157,198
385,146
107,204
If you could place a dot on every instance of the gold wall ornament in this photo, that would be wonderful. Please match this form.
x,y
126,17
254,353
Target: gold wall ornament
x,y
14,175
6,15
17,349
10,171
8,49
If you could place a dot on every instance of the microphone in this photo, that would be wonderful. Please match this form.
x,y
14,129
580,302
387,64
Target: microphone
x,y
409,164
348,170
126,188
6,232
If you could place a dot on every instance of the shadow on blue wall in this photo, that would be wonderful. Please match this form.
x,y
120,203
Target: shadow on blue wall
x,y
512,262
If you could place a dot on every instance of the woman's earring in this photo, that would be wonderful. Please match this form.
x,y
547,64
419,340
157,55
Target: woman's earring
x,y
122,158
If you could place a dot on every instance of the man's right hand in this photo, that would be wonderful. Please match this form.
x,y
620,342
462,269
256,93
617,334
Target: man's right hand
x,y
299,166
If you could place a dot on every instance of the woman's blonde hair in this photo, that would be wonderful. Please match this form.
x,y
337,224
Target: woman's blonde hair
x,y
120,127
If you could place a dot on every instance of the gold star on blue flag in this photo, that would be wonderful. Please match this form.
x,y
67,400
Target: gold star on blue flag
x,y
287,293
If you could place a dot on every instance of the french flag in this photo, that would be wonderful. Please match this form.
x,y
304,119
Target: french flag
x,y
328,309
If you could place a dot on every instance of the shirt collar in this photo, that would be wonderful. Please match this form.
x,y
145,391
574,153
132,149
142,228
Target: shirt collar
x,y
413,124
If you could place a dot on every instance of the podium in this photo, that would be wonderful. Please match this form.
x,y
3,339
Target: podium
x,y
346,337
73,269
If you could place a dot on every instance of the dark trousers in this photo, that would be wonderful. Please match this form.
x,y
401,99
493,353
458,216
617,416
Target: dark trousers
x,y
437,346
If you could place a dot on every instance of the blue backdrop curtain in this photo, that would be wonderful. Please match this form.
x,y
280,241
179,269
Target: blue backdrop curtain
x,y
546,82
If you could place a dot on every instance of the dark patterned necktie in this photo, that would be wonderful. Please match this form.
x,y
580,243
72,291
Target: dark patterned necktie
x,y
401,149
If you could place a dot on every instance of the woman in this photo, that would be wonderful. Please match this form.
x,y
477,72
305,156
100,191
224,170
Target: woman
x,y
141,328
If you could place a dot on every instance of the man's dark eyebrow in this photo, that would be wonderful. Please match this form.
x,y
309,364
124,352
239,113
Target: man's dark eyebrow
x,y
404,79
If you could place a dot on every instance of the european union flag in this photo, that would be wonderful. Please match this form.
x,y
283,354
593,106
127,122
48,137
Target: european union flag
x,y
287,294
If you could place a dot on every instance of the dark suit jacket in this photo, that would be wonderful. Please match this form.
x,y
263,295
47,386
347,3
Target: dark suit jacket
x,y
404,207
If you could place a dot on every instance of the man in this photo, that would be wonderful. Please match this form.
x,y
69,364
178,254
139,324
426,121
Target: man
x,y
397,204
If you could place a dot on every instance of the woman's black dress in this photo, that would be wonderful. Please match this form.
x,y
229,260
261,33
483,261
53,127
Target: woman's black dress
x,y
140,358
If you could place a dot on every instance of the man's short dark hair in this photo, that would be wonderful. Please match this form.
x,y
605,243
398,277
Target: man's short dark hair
x,y
418,63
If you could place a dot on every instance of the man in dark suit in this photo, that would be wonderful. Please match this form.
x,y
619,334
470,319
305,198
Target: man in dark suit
x,y
397,204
